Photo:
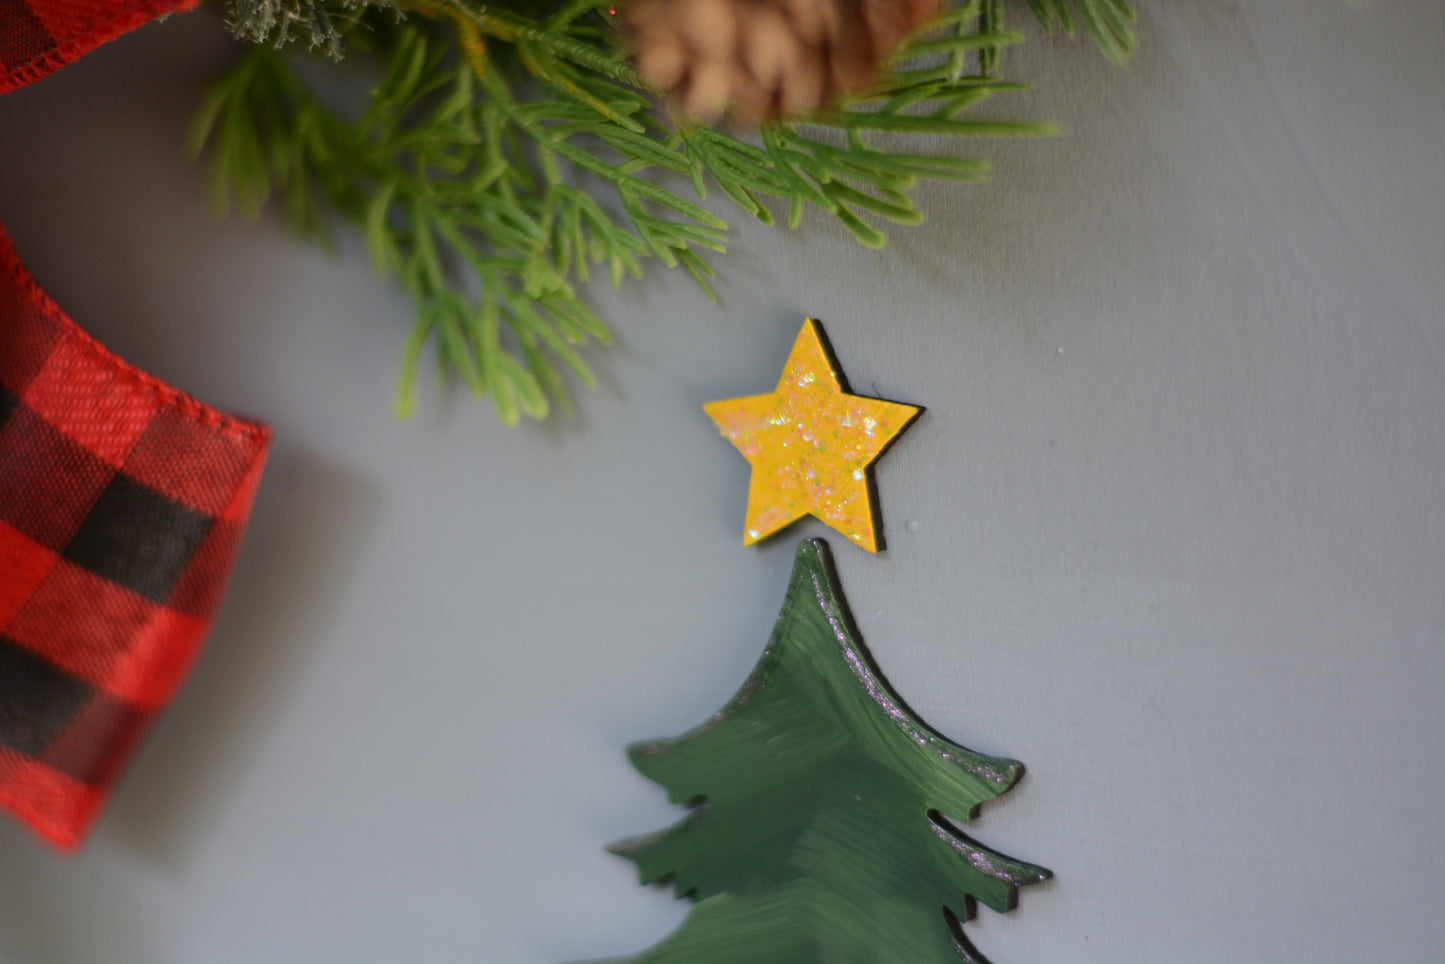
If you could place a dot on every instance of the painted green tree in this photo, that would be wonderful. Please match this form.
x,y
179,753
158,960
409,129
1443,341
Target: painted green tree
x,y
818,831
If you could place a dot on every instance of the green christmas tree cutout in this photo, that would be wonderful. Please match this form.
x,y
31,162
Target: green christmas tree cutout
x,y
817,832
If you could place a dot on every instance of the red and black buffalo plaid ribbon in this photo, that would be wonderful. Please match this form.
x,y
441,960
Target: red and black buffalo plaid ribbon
x,y
38,37
122,505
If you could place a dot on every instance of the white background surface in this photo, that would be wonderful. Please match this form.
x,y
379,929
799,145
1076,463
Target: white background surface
x,y
1178,537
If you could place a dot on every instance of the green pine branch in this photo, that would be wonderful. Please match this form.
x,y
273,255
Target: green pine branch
x,y
1109,22
503,156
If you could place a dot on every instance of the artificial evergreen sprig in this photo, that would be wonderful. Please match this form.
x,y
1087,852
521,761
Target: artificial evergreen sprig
x,y
1109,22
281,22
502,153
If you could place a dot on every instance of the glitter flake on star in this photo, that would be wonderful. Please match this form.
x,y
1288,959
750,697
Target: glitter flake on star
x,y
812,445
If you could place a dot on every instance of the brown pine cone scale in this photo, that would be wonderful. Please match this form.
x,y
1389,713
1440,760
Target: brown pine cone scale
x,y
757,59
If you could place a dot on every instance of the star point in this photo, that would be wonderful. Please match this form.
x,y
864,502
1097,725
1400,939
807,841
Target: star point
x,y
812,445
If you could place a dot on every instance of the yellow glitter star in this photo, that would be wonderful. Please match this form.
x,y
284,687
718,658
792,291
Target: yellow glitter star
x,y
812,445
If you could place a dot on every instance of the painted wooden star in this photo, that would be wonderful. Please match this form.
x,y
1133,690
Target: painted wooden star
x,y
812,445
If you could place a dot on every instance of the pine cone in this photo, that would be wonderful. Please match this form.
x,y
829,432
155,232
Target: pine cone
x,y
764,58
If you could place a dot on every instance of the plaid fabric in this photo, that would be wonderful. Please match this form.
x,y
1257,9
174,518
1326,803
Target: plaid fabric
x,y
122,505
38,37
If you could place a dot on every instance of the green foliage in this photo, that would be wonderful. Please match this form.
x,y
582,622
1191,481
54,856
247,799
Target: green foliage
x,y
283,21
817,832
504,154
1109,22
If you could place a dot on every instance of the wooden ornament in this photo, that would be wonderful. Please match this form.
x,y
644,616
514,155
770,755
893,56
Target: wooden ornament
x,y
812,445
820,830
